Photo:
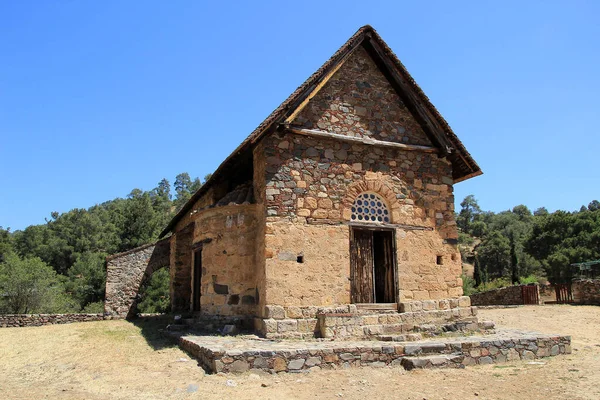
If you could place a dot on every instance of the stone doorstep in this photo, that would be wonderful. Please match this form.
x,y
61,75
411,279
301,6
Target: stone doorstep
x,y
231,354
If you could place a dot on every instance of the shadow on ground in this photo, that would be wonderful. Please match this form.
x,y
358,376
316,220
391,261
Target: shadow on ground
x,y
152,329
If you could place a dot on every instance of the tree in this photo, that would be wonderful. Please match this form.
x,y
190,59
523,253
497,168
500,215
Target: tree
x,y
514,261
561,239
140,221
6,245
29,286
87,279
468,213
184,188
155,294
494,255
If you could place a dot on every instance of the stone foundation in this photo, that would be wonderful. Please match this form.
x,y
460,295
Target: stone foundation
x,y
349,321
227,354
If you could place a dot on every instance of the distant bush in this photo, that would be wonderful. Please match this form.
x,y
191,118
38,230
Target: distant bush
x,y
526,280
468,285
94,308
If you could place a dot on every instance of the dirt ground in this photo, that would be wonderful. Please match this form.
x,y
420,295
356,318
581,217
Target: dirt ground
x,y
123,360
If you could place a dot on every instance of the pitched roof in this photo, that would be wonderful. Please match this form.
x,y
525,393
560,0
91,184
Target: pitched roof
x,y
436,127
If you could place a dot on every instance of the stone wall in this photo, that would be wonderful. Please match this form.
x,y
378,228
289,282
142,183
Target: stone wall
x,y
586,291
181,268
511,295
228,236
359,101
310,188
127,272
21,320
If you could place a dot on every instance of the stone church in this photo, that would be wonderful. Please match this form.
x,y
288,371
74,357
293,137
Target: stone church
x,y
337,210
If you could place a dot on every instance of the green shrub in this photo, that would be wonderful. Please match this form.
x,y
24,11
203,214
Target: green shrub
x,y
468,285
94,308
155,294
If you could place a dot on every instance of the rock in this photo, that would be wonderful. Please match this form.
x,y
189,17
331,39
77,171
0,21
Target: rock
x,y
279,364
261,362
231,383
486,360
312,361
296,364
239,366
192,388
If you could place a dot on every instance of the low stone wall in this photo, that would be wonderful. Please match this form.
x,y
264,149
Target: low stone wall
x,y
511,295
20,320
218,354
586,291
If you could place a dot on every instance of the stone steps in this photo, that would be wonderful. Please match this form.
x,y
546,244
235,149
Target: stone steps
x,y
409,337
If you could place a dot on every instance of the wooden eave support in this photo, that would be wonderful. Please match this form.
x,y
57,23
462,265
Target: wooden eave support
x,y
366,141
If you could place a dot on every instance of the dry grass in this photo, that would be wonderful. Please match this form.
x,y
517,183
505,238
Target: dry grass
x,y
117,359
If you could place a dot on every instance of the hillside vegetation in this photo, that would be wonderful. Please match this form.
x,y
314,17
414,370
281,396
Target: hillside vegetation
x,y
59,266
518,246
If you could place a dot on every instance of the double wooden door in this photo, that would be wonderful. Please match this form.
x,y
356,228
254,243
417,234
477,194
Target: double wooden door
x,y
373,266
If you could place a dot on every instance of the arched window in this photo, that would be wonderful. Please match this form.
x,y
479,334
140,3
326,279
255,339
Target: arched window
x,y
370,207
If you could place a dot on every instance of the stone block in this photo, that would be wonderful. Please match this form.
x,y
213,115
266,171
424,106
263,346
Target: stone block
x,y
269,325
293,312
276,312
464,301
287,325
429,305
405,306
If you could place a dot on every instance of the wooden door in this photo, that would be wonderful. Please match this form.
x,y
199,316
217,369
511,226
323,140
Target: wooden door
x,y
361,266
384,267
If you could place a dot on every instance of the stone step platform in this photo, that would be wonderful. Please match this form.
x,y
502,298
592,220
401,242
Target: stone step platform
x,y
435,361
409,337
249,352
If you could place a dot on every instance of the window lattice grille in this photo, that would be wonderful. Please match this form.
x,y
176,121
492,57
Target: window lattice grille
x,y
370,207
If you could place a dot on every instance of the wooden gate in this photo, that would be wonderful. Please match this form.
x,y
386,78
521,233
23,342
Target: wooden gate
x,y
530,295
563,293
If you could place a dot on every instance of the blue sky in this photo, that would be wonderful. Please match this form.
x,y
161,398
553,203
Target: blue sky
x,y
98,98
